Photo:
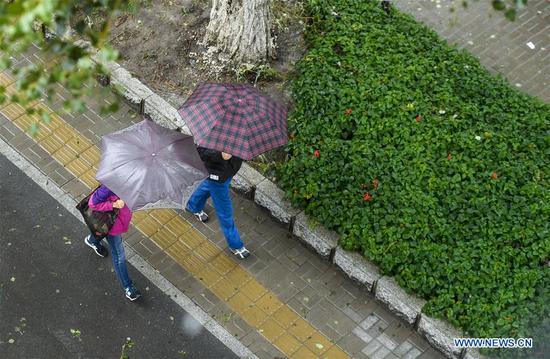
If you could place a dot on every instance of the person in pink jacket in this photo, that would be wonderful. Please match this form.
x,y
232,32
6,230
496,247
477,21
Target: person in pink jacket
x,y
104,200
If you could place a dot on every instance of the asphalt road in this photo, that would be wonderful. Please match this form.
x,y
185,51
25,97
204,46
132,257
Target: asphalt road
x,y
58,299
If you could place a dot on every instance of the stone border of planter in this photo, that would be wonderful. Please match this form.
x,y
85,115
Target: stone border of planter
x,y
266,194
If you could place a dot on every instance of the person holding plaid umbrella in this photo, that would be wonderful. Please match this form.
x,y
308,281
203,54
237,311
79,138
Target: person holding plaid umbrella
x,y
221,167
230,123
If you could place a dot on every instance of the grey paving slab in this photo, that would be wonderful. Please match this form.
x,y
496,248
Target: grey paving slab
x,y
501,45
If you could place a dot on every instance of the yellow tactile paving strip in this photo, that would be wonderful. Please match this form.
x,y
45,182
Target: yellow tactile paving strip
x,y
260,308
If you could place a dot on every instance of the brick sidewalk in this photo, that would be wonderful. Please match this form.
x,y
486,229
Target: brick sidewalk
x,y
283,301
501,45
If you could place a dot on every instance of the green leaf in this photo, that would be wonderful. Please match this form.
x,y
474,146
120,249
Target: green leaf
x,y
499,5
510,14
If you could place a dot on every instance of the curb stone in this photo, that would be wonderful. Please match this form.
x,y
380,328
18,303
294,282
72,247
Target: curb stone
x,y
164,114
402,304
440,334
266,194
357,267
318,237
133,90
246,180
271,197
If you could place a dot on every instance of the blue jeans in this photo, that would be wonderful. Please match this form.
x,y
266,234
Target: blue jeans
x,y
222,205
119,258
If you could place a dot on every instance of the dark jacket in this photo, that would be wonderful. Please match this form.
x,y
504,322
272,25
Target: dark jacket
x,y
218,168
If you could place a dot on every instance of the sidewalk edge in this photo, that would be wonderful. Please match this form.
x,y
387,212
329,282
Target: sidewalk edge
x,y
69,203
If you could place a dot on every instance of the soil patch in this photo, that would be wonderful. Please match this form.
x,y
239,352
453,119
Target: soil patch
x,y
160,43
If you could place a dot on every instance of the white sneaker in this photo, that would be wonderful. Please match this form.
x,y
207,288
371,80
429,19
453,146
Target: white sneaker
x,y
201,216
241,253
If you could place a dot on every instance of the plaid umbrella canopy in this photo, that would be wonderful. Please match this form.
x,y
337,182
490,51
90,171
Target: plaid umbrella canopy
x,y
235,118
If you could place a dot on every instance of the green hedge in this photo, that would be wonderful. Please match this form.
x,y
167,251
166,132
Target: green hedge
x,y
424,162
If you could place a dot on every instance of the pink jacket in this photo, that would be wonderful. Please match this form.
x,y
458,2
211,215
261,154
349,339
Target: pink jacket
x,y
123,219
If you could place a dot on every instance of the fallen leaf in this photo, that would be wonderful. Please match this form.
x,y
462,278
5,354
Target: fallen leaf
x,y
12,279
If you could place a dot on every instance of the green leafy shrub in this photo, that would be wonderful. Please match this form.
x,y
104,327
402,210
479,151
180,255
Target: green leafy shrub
x,y
424,162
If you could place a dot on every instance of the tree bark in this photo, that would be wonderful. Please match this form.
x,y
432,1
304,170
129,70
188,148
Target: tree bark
x,y
241,29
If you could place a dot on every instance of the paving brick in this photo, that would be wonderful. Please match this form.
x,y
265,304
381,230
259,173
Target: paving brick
x,y
60,176
288,263
381,353
76,188
269,304
430,353
202,301
361,334
387,341
341,322
8,131
337,353
398,332
308,297
412,354
253,315
304,353
301,330
285,316
287,343
285,293
332,335
529,26
371,347
377,329
403,348
369,322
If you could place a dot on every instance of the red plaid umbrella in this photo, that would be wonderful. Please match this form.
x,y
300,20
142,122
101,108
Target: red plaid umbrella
x,y
235,118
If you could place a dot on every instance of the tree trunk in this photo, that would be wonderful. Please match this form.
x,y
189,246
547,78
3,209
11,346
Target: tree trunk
x,y
242,29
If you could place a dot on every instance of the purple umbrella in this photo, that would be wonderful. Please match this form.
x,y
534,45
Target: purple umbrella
x,y
235,118
149,166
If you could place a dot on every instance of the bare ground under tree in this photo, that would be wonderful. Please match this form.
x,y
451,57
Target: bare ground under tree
x,y
161,44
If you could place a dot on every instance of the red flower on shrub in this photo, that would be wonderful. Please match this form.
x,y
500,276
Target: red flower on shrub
x,y
449,156
494,175
348,111
367,197
375,183
316,153
418,118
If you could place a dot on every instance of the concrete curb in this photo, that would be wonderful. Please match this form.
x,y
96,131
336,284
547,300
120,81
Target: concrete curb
x,y
394,297
319,238
440,335
357,267
266,194
246,180
271,197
